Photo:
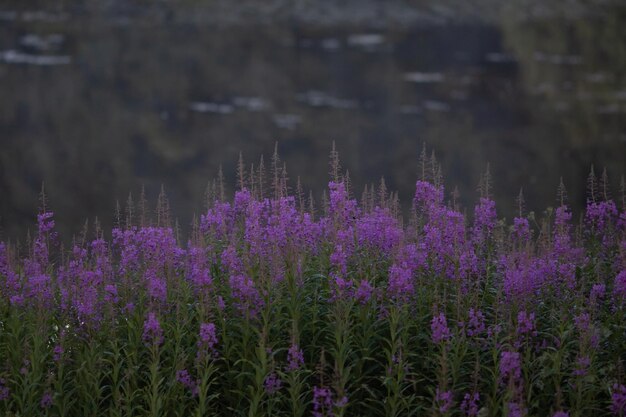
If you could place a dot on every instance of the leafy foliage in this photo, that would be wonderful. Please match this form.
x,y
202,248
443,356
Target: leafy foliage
x,y
271,310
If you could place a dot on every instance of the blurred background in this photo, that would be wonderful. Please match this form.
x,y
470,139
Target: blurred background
x,y
98,99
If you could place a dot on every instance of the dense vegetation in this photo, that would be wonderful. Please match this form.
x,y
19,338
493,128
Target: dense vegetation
x,y
275,308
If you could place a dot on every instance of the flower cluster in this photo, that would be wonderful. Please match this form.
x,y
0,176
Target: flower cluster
x,y
322,402
295,358
4,390
439,329
444,400
476,324
272,383
152,332
618,400
469,405
184,328
184,377
510,366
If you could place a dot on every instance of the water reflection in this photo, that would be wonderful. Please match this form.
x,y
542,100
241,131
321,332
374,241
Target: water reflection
x,y
15,57
97,104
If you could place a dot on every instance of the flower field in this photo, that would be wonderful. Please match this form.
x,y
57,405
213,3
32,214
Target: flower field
x,y
280,306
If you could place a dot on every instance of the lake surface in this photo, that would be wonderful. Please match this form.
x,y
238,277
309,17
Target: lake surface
x,y
98,102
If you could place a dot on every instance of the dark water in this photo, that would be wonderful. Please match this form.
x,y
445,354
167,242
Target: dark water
x,y
99,103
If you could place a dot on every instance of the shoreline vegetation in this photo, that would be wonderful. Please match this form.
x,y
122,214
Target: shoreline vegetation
x,y
278,305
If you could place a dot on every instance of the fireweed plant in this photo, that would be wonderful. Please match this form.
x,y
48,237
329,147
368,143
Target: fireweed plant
x,y
272,308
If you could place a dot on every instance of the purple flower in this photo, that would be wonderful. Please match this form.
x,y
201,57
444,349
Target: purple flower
x,y
521,229
622,220
242,200
272,383
231,261
619,287
39,288
469,405
583,322
444,400
342,288
198,271
295,358
526,324
597,292
600,214
207,337
342,209
476,324
110,294
152,332
183,377
522,275
484,220
4,390
400,285
516,410
339,259
45,223
469,265
57,352
562,217
246,296
217,221
560,414
46,400
156,285
322,402
582,365
443,240
427,195
439,329
221,305
510,366
618,399
379,231
364,292
342,402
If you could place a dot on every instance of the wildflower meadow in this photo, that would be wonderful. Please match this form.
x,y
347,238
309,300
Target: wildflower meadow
x,y
279,305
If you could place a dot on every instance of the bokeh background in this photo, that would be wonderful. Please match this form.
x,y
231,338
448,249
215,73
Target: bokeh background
x,y
98,99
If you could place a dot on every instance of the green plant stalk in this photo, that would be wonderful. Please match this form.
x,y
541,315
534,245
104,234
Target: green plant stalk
x,y
341,351
207,369
257,389
395,365
295,389
155,400
116,366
